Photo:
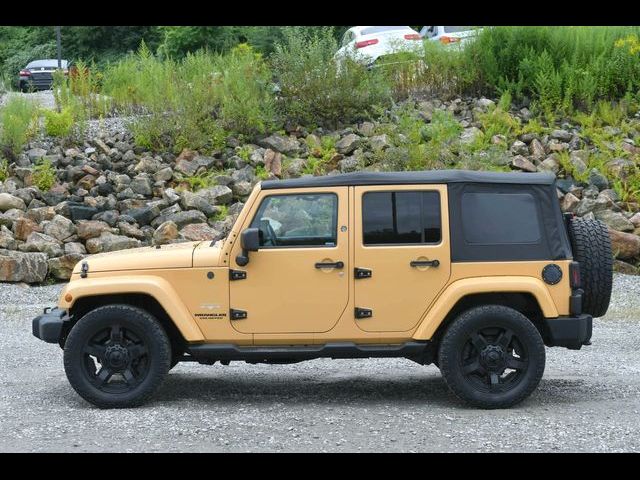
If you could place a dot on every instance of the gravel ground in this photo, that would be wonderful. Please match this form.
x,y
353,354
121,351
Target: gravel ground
x,y
103,128
588,400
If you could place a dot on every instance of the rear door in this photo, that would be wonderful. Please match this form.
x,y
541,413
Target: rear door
x,y
402,254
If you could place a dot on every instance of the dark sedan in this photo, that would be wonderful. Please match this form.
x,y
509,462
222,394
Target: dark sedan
x,y
38,75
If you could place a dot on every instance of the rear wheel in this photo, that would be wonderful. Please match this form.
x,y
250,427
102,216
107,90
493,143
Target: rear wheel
x,y
116,356
492,357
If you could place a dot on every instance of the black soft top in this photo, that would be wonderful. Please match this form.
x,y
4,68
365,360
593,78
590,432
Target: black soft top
x,y
408,178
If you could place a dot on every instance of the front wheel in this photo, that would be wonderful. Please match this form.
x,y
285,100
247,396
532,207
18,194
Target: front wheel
x,y
116,356
492,357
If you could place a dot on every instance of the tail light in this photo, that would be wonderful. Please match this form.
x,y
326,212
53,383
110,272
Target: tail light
x,y
25,73
366,43
412,36
574,275
449,39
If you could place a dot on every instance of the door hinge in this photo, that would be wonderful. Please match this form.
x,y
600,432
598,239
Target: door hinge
x,y
363,312
237,275
362,273
237,314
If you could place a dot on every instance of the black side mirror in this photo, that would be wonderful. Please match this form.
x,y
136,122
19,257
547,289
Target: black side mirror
x,y
250,242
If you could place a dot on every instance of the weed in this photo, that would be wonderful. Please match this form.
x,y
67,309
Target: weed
x,y
58,124
44,175
4,170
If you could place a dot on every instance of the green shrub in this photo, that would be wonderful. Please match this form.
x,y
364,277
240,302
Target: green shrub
x,y
4,170
245,91
315,89
58,124
44,175
561,68
19,121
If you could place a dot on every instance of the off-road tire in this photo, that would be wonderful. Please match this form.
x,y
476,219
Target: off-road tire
x,y
469,388
591,246
147,329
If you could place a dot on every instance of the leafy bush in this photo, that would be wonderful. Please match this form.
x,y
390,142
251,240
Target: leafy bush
x,y
315,89
561,68
44,175
58,124
19,120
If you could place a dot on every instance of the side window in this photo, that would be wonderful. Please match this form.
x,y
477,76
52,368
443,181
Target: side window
x,y
401,218
500,218
298,220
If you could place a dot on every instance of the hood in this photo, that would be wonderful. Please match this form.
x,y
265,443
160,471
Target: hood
x,y
175,255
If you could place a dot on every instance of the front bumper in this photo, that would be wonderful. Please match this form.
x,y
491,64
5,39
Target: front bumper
x,y
48,326
570,332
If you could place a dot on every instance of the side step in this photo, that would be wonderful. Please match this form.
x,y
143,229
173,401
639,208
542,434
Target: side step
x,y
421,352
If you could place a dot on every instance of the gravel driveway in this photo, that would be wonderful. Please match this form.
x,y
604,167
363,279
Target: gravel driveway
x,y
588,400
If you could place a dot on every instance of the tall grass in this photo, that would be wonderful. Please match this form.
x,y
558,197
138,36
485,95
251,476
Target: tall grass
x,y
560,68
18,123
193,101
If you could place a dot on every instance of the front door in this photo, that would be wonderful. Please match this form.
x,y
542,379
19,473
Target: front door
x,y
297,282
402,254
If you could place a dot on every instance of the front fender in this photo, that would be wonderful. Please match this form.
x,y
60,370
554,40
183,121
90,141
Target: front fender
x,y
469,286
156,287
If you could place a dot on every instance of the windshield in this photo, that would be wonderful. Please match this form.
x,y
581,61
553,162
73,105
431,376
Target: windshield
x,y
370,30
457,29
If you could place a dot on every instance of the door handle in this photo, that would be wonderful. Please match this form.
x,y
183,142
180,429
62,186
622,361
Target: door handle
x,y
330,265
424,263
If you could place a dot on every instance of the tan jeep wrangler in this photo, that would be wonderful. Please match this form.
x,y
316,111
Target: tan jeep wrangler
x,y
473,271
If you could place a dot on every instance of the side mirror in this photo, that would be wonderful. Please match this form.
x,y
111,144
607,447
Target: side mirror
x,y
250,242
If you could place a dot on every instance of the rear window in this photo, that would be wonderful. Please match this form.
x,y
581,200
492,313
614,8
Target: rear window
x,y
371,30
401,218
457,29
500,218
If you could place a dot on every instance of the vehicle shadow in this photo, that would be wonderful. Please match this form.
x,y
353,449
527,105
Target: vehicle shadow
x,y
423,389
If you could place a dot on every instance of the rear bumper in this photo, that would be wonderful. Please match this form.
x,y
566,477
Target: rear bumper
x,y
48,326
570,332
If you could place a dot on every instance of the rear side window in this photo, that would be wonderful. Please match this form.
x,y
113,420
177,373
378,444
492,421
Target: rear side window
x,y
500,218
401,218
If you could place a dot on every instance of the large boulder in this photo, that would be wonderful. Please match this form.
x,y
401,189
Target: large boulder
x,y
615,220
625,246
165,233
8,201
6,239
216,195
193,201
108,242
22,267
188,162
23,227
61,267
280,143
348,144
60,228
92,228
39,242
199,231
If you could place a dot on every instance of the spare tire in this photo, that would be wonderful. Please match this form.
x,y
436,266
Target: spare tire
x,y
591,246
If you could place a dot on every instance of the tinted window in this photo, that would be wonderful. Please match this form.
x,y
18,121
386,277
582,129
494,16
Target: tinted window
x,y
500,218
297,220
457,29
401,218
